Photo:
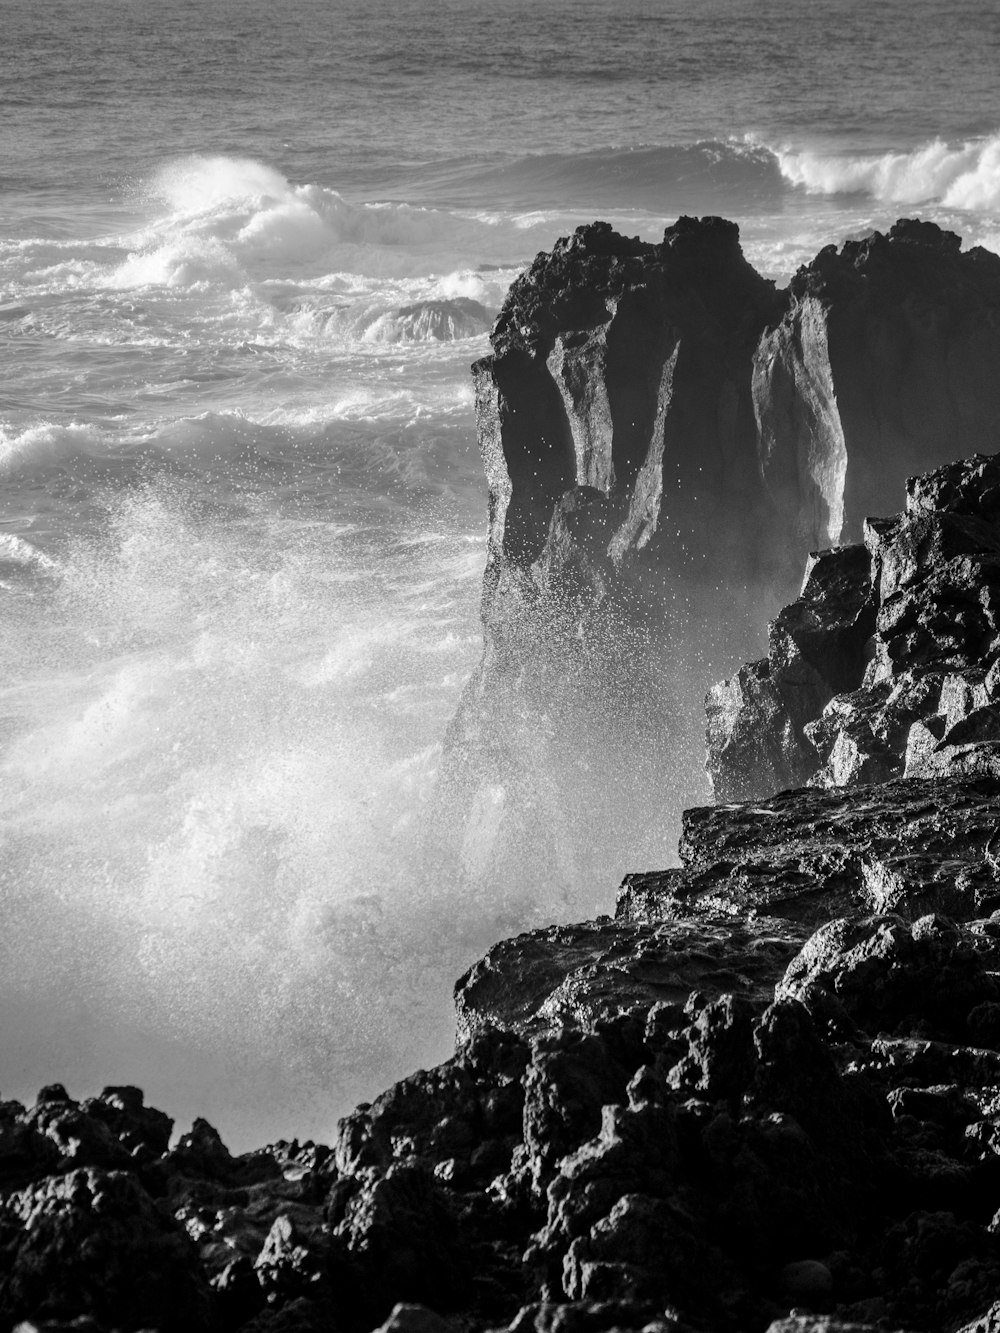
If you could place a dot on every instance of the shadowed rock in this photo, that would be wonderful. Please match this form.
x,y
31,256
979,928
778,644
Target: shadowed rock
x,y
665,436
922,696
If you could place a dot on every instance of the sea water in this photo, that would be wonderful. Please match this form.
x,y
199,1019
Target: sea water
x,y
247,253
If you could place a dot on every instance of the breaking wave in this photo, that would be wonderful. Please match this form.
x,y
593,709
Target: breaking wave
x,y
966,176
227,220
230,736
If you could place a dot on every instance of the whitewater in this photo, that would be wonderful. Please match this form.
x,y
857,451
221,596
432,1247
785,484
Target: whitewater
x,y
245,264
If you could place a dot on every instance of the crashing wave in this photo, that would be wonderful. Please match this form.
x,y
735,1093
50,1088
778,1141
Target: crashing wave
x,y
228,216
19,556
966,176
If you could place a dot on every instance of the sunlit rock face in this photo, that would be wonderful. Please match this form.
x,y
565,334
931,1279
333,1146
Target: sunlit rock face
x,y
892,343
888,664
666,435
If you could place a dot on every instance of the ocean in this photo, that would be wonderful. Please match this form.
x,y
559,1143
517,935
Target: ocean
x,y
247,254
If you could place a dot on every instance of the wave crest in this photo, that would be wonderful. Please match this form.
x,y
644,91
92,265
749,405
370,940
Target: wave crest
x,y
229,218
964,177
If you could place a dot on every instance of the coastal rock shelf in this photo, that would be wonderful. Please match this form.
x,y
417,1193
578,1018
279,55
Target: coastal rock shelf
x,y
665,435
764,1096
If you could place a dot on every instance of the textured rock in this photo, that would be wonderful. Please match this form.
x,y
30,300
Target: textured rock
x,y
92,1242
922,696
665,436
908,847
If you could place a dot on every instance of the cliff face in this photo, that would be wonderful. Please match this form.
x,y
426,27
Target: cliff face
x,y
665,435
881,368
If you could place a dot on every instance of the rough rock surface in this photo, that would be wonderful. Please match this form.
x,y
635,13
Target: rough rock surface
x,y
665,436
712,1115
888,664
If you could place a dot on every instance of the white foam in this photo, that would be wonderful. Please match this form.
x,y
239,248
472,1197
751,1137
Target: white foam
x,y
189,261
17,553
966,176
229,215
230,735
196,184
47,444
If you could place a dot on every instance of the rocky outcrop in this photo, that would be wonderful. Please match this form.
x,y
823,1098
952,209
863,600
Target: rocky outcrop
x,y
920,696
665,436
763,1097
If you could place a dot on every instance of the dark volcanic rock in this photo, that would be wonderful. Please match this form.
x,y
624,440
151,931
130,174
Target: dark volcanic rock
x,y
93,1242
907,847
922,696
583,975
665,436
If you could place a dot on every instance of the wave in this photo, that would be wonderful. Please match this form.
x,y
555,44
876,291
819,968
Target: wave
x,y
229,729
963,177
660,179
48,445
232,220
739,175
18,555
431,320
357,449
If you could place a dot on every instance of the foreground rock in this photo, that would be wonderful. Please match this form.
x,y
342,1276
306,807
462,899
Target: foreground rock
x,y
702,1116
665,436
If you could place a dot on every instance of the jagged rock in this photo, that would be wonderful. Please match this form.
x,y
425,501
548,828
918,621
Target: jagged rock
x,y
92,1242
394,1236
924,702
756,721
413,1319
665,436
582,976
300,1316
595,1317
878,369
907,846
291,1259
826,1324
884,975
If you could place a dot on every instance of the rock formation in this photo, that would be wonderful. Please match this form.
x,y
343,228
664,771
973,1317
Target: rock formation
x,y
763,1098
765,1095
889,662
665,436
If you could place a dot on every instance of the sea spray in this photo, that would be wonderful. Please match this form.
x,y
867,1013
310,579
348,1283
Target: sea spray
x,y
225,733
964,176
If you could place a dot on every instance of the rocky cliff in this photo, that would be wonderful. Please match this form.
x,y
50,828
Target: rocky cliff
x,y
763,1096
888,664
665,436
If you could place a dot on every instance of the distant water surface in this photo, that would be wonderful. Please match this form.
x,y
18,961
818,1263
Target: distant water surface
x,y
247,253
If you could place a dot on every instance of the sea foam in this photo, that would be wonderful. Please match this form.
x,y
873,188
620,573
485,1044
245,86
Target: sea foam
x,y
966,176
214,807
226,217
